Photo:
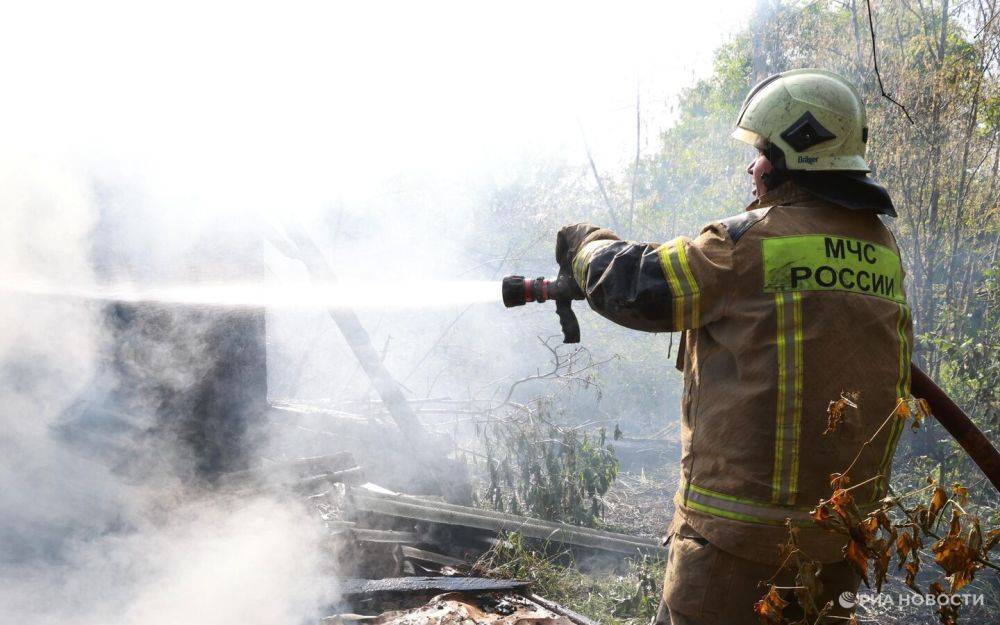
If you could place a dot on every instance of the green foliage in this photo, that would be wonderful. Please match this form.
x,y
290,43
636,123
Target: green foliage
x,y
627,598
539,468
697,175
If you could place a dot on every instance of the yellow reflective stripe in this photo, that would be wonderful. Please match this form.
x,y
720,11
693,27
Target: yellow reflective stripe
x,y
675,285
903,385
793,483
683,287
788,414
581,262
902,393
724,496
692,285
730,507
902,351
779,309
736,516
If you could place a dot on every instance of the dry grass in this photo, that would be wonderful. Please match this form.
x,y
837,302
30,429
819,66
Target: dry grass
x,y
627,598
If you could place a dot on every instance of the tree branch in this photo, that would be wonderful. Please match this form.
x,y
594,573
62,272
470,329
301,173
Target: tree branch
x,y
871,28
600,184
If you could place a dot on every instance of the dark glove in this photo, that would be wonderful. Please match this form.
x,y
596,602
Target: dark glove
x,y
571,238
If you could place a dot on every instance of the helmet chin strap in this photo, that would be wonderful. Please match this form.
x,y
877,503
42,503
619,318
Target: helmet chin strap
x,y
775,178
779,173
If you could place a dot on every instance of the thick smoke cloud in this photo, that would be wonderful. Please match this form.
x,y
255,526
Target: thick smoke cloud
x,y
116,534
48,353
221,562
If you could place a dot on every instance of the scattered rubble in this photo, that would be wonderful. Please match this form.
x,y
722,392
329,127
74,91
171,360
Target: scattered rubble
x,y
465,609
405,559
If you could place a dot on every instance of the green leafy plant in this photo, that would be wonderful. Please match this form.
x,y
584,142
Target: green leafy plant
x,y
539,468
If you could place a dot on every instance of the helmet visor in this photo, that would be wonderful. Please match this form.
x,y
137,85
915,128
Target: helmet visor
x,y
749,137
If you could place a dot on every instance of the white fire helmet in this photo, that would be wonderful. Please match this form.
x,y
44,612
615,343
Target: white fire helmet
x,y
816,118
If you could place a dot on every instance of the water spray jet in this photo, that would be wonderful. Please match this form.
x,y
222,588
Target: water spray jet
x,y
341,295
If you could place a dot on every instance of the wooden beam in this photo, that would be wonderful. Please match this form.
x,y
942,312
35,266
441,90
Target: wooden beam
x,y
405,506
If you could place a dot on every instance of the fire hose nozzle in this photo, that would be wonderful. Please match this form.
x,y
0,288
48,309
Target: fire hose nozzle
x,y
517,291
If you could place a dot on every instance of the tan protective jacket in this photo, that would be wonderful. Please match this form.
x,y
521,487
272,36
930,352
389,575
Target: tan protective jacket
x,y
784,307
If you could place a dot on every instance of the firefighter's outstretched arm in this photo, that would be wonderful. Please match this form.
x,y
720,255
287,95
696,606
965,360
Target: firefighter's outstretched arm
x,y
684,283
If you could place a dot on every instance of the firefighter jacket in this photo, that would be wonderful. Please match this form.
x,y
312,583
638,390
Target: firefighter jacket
x,y
784,308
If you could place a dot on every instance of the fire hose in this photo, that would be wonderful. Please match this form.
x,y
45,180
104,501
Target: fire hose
x,y
958,424
517,291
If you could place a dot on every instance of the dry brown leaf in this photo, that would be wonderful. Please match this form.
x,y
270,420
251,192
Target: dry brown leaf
x,y
912,568
836,409
839,480
938,499
882,550
961,579
924,408
840,497
962,493
948,614
904,545
820,513
975,536
822,516
953,555
956,524
834,417
958,556
843,505
884,522
809,587
769,608
919,409
902,409
854,553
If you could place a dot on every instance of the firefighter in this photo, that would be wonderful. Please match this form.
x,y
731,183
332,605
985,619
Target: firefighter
x,y
783,308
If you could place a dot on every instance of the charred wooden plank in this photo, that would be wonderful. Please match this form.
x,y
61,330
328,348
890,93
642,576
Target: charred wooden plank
x,y
374,500
292,471
383,536
576,617
356,587
354,475
429,556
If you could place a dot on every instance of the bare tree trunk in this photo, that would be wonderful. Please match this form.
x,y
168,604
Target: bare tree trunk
x,y
937,135
360,343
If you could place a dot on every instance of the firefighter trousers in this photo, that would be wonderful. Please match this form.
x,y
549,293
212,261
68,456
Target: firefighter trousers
x,y
705,585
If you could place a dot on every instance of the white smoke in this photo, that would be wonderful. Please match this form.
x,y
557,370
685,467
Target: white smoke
x,y
47,358
221,562
82,542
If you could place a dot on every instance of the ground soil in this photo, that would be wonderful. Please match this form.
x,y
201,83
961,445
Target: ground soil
x,y
641,503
